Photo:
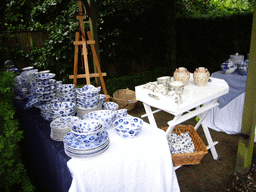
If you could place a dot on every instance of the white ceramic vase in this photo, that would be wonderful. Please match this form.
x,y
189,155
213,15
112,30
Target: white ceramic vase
x,y
181,74
201,76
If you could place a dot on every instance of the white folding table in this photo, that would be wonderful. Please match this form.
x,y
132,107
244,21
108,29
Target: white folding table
x,y
197,101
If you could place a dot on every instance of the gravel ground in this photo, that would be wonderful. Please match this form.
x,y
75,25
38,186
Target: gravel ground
x,y
247,182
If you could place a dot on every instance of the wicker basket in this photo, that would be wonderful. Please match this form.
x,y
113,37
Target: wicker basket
x,y
125,98
189,158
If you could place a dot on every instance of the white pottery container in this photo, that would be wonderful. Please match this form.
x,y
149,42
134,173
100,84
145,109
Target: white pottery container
x,y
181,74
201,76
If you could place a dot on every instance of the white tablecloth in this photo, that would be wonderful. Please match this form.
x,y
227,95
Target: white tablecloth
x,y
129,165
229,118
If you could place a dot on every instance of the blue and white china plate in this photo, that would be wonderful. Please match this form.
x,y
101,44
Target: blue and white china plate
x,y
45,71
75,155
70,142
27,68
42,76
88,151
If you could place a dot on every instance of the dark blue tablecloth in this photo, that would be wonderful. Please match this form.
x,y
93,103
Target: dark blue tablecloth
x,y
237,86
48,161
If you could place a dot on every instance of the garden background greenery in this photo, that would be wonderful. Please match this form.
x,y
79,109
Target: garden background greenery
x,y
135,47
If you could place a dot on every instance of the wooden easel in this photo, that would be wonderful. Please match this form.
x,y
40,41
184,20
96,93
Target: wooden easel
x,y
81,40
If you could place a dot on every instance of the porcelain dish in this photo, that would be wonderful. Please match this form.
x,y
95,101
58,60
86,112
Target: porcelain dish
x,y
128,127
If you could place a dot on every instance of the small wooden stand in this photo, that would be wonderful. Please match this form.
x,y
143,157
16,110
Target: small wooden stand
x,y
83,42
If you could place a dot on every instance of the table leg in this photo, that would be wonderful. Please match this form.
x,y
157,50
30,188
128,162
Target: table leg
x,y
150,115
211,144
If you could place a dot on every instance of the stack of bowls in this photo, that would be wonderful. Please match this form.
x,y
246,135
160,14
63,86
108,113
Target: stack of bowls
x,y
62,109
45,111
45,86
61,126
67,92
22,82
105,117
243,68
128,127
85,139
88,99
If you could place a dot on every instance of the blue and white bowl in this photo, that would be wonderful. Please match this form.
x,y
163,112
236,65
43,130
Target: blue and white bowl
x,y
228,68
31,102
243,68
106,117
68,97
128,127
102,98
62,106
88,102
44,89
87,137
85,126
67,88
45,97
88,91
45,83
121,113
110,106
43,76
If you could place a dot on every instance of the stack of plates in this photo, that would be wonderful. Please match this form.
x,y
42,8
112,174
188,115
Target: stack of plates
x,y
60,127
76,149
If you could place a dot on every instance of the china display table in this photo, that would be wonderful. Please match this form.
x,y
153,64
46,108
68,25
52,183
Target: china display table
x,y
138,164
196,101
46,158
228,116
133,164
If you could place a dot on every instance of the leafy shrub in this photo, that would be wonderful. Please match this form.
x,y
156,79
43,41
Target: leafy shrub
x,y
12,171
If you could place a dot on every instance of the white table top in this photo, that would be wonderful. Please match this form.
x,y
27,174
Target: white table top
x,y
192,96
138,164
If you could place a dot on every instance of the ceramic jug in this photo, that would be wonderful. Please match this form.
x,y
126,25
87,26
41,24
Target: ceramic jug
x,y
201,76
181,74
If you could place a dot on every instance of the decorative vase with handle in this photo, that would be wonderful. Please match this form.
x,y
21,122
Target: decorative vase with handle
x,y
201,76
181,74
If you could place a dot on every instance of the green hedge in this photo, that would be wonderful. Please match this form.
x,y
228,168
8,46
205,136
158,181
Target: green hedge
x,y
12,172
133,80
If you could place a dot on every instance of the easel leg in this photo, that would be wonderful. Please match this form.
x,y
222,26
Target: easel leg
x,y
76,60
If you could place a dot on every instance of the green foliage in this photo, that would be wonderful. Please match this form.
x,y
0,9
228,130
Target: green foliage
x,y
130,33
11,168
132,80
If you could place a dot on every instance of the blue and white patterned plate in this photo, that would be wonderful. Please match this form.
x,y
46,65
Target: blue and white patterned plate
x,y
72,143
85,155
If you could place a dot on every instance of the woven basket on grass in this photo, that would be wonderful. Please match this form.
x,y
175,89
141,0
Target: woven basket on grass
x,y
125,98
189,158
